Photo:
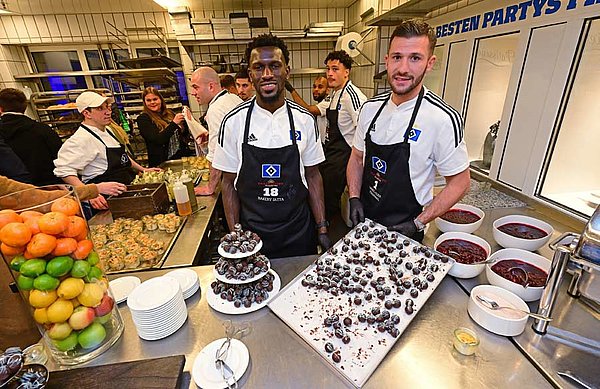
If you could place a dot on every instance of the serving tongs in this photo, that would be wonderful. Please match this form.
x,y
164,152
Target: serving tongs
x,y
222,352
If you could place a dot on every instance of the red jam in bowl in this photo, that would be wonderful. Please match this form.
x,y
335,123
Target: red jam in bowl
x,y
460,216
523,231
505,268
462,250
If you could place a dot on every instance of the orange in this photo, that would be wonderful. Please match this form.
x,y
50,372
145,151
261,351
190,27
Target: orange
x,y
11,251
26,215
84,247
15,234
9,216
28,255
76,226
33,225
65,205
81,236
53,223
41,245
64,246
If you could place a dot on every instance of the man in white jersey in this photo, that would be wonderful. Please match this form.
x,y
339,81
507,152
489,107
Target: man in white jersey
x,y
207,89
269,152
402,138
342,114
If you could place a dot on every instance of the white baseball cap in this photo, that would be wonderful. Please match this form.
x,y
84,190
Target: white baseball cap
x,y
89,100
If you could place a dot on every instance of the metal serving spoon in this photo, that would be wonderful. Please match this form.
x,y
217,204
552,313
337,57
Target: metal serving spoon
x,y
524,277
494,306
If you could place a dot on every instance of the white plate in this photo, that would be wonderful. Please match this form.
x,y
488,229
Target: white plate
x,y
205,373
227,307
187,278
239,282
225,254
189,293
153,293
122,287
166,332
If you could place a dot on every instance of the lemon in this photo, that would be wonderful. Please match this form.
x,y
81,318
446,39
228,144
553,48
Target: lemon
x,y
40,315
60,311
91,295
41,298
70,288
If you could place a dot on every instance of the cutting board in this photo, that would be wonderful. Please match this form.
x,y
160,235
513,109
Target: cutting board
x,y
150,373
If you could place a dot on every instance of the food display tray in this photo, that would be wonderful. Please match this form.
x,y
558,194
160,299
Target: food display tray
x,y
305,308
168,240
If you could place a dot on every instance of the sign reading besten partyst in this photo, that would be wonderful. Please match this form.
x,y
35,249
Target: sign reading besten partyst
x,y
509,14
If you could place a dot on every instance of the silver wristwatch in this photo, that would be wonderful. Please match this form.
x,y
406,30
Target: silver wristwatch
x,y
419,224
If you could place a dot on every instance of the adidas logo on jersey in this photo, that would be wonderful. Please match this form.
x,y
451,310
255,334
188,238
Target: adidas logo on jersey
x,y
252,138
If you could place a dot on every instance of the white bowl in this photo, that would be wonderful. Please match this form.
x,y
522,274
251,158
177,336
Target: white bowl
x,y
531,293
446,226
462,270
498,321
509,241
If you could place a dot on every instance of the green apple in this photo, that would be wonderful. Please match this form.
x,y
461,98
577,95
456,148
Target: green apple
x,y
92,336
68,343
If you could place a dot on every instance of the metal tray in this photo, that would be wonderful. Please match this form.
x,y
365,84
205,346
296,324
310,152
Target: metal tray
x,y
168,239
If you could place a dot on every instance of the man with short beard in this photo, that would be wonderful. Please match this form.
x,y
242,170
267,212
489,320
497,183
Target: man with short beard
x,y
269,152
402,138
320,92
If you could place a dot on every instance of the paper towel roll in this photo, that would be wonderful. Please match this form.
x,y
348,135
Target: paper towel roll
x,y
348,43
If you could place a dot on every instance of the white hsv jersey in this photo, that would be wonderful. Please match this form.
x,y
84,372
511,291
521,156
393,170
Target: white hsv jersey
x,y
436,139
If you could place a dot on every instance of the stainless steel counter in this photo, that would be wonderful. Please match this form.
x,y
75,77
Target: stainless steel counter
x,y
573,339
422,357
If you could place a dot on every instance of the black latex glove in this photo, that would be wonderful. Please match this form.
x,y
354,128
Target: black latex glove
x,y
357,212
407,228
289,86
324,241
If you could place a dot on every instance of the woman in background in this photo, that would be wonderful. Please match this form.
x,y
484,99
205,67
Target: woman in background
x,y
164,131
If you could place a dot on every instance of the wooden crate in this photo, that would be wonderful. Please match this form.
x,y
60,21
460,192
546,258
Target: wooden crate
x,y
140,200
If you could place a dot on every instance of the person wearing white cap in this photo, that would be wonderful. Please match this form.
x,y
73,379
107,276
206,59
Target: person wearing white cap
x,y
93,154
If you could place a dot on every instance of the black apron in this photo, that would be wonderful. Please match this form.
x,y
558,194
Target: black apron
x,y
119,165
387,192
337,154
273,198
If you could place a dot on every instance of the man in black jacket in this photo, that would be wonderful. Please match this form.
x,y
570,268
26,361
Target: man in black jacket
x,y
35,143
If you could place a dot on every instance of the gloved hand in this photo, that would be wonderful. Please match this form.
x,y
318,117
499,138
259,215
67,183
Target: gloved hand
x,y
324,241
289,86
408,228
357,212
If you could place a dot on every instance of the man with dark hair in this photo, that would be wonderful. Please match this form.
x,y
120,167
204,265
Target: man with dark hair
x,y
228,83
243,85
320,92
34,143
342,114
269,153
402,138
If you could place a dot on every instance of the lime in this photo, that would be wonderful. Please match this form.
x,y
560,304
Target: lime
x,y
94,274
24,283
46,282
33,267
68,343
93,258
16,262
80,269
59,266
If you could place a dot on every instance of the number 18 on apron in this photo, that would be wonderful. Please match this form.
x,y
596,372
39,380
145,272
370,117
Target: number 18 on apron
x,y
273,197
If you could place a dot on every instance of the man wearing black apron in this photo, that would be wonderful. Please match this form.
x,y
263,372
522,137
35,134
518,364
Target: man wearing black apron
x,y
402,138
342,114
94,155
269,151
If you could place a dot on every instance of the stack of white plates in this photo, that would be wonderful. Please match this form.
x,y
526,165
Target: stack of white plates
x,y
188,280
157,308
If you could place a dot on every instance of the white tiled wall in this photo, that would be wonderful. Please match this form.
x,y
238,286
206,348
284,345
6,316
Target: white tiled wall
x,y
362,75
12,61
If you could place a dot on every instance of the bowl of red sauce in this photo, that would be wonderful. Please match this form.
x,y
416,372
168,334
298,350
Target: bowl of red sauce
x,y
520,271
467,250
460,218
521,232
